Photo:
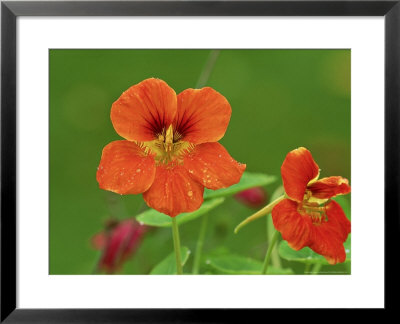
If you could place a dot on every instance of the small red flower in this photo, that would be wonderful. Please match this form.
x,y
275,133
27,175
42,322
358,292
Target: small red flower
x,y
171,152
308,217
254,197
118,243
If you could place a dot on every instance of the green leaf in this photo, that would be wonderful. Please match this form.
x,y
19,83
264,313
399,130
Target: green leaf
x,y
248,180
152,217
235,264
306,255
168,265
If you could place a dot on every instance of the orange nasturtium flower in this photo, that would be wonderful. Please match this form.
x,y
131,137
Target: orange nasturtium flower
x,y
308,217
170,152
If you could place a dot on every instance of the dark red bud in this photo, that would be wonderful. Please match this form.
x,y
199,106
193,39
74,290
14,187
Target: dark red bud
x,y
254,197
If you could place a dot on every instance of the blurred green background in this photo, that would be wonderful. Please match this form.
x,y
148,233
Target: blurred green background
x,y
281,99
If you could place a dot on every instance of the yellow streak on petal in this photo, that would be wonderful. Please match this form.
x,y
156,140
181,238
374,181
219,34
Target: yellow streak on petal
x,y
317,200
169,139
315,179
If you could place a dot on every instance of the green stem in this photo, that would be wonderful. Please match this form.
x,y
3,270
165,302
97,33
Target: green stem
x,y
307,268
199,245
268,255
207,69
316,268
201,82
177,246
275,259
262,212
96,268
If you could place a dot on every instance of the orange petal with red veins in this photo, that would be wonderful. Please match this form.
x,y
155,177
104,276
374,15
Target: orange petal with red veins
x,y
295,228
174,191
144,110
211,165
125,168
326,188
327,239
297,170
202,115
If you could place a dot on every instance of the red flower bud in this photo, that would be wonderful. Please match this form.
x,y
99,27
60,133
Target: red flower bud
x,y
118,242
254,197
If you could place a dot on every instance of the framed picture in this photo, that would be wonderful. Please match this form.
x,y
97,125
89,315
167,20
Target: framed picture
x,y
179,155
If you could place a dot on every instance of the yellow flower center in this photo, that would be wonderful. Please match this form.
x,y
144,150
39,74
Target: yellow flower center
x,y
168,147
312,207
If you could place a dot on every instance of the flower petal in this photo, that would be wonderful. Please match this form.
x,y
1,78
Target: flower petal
x,y
125,168
326,188
211,165
144,110
202,115
174,191
327,239
297,170
294,227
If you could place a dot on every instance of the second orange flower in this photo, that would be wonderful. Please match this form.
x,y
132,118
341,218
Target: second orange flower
x,y
170,152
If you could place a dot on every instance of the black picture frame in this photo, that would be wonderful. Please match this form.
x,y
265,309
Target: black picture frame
x,y
10,10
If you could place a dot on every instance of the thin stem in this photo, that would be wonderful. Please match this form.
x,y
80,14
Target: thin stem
x,y
201,82
199,245
96,268
275,259
316,268
207,69
177,246
268,255
116,206
307,268
262,212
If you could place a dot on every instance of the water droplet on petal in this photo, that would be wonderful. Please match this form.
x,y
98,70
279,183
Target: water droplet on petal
x,y
190,193
138,170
